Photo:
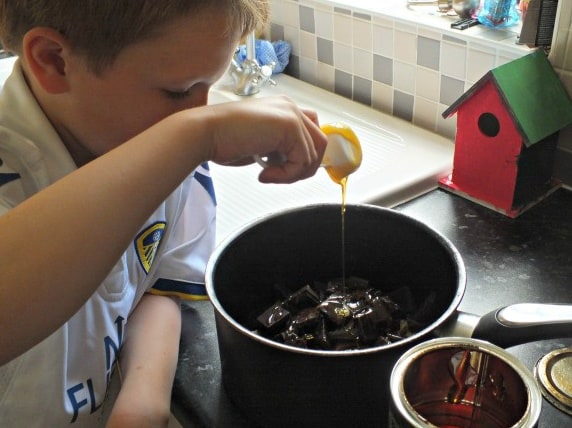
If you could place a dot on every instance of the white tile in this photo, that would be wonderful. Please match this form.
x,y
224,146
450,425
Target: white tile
x,y
325,6
446,127
309,3
405,27
277,11
479,63
405,46
325,76
343,57
382,99
308,46
454,60
292,36
343,29
505,56
383,21
429,33
383,41
308,70
363,63
425,113
427,84
404,77
362,34
468,85
324,24
291,14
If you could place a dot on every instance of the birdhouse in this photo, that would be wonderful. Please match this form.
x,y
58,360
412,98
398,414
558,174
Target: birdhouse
x,y
507,131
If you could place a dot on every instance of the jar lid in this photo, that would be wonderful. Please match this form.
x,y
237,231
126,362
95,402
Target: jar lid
x,y
553,374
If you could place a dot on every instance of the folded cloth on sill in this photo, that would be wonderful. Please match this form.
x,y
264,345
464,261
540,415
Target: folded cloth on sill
x,y
268,52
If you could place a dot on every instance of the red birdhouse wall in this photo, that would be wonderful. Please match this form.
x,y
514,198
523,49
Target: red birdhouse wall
x,y
507,133
487,149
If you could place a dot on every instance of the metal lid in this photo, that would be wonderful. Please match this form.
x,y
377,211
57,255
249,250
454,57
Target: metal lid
x,y
553,372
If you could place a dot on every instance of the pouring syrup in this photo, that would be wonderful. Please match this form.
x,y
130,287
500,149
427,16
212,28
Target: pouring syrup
x,y
343,156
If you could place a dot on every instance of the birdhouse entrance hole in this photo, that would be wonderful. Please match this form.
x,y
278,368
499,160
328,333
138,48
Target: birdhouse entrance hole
x,y
489,124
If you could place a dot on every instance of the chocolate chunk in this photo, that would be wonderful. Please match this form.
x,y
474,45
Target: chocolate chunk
x,y
274,317
339,315
303,298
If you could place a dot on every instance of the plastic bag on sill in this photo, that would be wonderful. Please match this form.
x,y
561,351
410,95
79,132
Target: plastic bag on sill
x,y
498,13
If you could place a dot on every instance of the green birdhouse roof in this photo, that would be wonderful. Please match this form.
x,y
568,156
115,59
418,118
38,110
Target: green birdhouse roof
x,y
532,94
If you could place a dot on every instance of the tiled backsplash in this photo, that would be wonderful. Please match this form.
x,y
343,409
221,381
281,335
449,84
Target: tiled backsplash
x,y
405,63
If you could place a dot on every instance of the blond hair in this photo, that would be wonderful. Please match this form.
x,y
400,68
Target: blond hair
x,y
100,29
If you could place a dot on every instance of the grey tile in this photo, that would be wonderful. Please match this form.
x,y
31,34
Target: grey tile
x,y
325,51
451,90
293,67
362,90
428,52
343,83
342,11
403,105
364,16
307,19
276,32
383,69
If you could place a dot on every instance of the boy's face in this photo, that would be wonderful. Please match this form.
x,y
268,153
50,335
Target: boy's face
x,y
148,81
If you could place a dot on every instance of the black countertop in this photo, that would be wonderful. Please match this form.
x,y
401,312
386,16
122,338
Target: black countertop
x,y
527,259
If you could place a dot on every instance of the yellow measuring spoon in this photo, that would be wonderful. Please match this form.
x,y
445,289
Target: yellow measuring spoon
x,y
342,157
343,153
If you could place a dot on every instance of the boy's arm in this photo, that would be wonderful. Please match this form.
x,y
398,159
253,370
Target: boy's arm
x,y
148,362
60,244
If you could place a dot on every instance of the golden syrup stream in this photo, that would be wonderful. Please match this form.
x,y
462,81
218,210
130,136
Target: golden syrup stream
x,y
342,181
343,184
339,174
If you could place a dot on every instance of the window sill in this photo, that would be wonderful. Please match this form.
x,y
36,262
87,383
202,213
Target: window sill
x,y
429,18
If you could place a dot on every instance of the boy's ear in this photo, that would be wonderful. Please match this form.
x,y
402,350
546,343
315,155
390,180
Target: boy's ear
x,y
46,51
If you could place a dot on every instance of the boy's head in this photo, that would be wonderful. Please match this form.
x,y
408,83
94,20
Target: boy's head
x,y
103,71
100,29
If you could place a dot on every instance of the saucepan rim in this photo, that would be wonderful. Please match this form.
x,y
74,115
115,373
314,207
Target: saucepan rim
x,y
457,260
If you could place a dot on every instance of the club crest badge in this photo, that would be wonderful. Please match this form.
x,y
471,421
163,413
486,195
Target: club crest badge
x,y
147,243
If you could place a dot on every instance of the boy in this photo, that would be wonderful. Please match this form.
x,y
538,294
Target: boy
x,y
106,205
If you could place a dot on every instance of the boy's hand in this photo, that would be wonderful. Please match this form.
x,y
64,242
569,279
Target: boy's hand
x,y
241,130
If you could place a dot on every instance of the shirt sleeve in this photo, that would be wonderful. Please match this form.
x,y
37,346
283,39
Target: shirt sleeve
x,y
190,241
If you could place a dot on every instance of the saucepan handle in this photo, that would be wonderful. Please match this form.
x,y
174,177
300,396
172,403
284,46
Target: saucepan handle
x,y
512,325
524,322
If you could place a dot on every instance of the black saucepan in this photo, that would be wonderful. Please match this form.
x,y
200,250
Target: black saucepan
x,y
277,385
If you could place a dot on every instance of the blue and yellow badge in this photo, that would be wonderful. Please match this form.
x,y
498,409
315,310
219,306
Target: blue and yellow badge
x,y
147,243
